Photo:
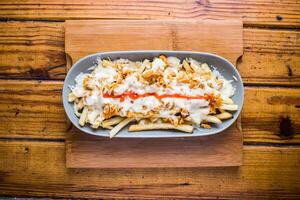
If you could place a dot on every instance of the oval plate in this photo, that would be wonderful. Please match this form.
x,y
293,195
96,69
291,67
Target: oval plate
x,y
221,64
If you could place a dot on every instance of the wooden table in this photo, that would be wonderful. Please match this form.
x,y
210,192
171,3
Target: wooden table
x,y
33,125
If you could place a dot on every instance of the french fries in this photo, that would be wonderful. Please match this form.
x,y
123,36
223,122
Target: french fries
x,y
71,97
97,125
213,119
229,107
112,121
75,108
151,126
117,128
227,100
224,115
107,63
181,93
83,116
195,65
187,67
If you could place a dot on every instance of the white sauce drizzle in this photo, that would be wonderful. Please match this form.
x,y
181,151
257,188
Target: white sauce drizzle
x,y
197,108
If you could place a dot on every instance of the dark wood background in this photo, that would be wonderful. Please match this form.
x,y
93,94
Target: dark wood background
x,y
33,125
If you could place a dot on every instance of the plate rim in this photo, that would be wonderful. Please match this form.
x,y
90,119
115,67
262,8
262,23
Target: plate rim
x,y
219,130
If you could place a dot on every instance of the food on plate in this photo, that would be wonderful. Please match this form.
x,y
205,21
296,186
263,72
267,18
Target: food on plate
x,y
163,93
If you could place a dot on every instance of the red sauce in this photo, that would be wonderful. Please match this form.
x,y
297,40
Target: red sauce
x,y
133,95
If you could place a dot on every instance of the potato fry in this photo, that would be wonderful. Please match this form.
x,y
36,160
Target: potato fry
x,y
80,104
107,63
227,100
75,107
121,125
213,119
96,125
207,126
195,65
142,116
229,107
145,65
152,126
189,119
83,116
112,121
164,59
71,97
108,127
187,67
224,115
142,68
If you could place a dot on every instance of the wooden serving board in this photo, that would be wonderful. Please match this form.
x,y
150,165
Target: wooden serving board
x,y
222,37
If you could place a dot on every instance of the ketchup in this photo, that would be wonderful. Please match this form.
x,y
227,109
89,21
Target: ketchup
x,y
133,95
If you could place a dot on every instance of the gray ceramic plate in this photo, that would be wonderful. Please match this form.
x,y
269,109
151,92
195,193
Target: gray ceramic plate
x,y
222,65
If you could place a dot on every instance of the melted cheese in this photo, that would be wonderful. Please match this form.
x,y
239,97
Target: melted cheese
x,y
78,90
174,62
158,64
227,90
106,74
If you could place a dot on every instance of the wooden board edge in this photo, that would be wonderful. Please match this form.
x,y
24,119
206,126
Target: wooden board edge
x,y
237,21
70,163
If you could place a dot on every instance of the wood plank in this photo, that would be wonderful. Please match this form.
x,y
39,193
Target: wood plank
x,y
221,150
264,61
254,12
33,109
271,41
32,50
222,37
38,169
271,115
270,68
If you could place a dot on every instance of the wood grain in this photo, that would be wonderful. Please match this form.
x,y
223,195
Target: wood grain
x,y
20,57
270,68
271,115
224,149
222,37
32,50
254,12
38,169
33,109
272,41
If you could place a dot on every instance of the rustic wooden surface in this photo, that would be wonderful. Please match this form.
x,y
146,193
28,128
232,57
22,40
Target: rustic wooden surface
x,y
222,150
222,37
33,125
